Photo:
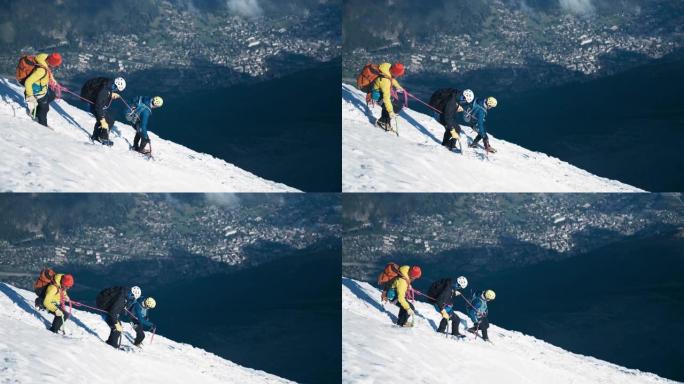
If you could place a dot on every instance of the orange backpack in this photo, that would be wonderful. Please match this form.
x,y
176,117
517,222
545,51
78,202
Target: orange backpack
x,y
26,65
388,275
365,79
46,277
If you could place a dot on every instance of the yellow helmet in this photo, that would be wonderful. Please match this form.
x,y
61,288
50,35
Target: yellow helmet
x,y
491,102
150,303
489,295
157,101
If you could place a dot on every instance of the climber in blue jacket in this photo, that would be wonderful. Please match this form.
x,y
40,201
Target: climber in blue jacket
x,y
142,319
139,116
475,116
478,311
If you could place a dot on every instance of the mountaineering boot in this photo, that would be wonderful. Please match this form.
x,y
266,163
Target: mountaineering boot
x,y
382,124
143,148
488,147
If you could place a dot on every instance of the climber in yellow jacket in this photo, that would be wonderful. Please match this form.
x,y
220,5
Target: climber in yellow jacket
x,y
55,299
382,92
37,90
401,285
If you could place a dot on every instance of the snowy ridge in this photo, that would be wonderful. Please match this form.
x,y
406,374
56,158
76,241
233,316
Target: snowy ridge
x,y
376,351
378,161
63,159
29,353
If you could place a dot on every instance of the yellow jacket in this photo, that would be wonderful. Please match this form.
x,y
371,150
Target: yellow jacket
x,y
37,83
52,294
401,285
385,83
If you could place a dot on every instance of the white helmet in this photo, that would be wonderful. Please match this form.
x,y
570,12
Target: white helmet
x,y
462,282
491,102
136,292
469,96
120,83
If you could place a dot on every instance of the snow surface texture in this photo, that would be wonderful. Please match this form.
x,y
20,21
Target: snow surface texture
x,y
62,158
377,161
30,353
374,350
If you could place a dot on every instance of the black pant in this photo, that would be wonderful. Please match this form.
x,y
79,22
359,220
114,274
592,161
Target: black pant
x,y
139,334
44,107
139,142
484,139
100,133
385,117
482,325
114,338
446,140
57,323
444,324
403,314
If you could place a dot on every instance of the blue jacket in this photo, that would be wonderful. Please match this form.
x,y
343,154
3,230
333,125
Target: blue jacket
x,y
480,311
479,113
140,313
143,110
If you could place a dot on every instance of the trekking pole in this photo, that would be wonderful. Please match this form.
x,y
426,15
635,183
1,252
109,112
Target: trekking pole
x,y
154,331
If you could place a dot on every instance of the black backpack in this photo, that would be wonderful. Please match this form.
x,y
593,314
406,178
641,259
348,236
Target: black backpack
x,y
439,99
437,289
93,86
107,296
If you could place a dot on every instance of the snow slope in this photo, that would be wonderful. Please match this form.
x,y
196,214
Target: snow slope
x,y
29,353
378,161
63,159
376,351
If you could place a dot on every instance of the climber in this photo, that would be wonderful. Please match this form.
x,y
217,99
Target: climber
x,y
35,73
400,290
450,101
442,294
476,116
114,301
139,116
381,91
141,318
100,92
478,312
56,299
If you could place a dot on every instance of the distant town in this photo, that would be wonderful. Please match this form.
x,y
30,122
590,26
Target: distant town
x,y
510,40
222,235
533,231
240,47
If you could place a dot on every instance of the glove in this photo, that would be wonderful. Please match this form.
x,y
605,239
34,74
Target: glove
x,y
115,96
457,293
410,312
445,315
118,327
31,103
454,134
59,313
459,109
103,123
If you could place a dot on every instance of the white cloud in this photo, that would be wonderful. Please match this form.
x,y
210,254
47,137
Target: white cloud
x,y
247,8
580,7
